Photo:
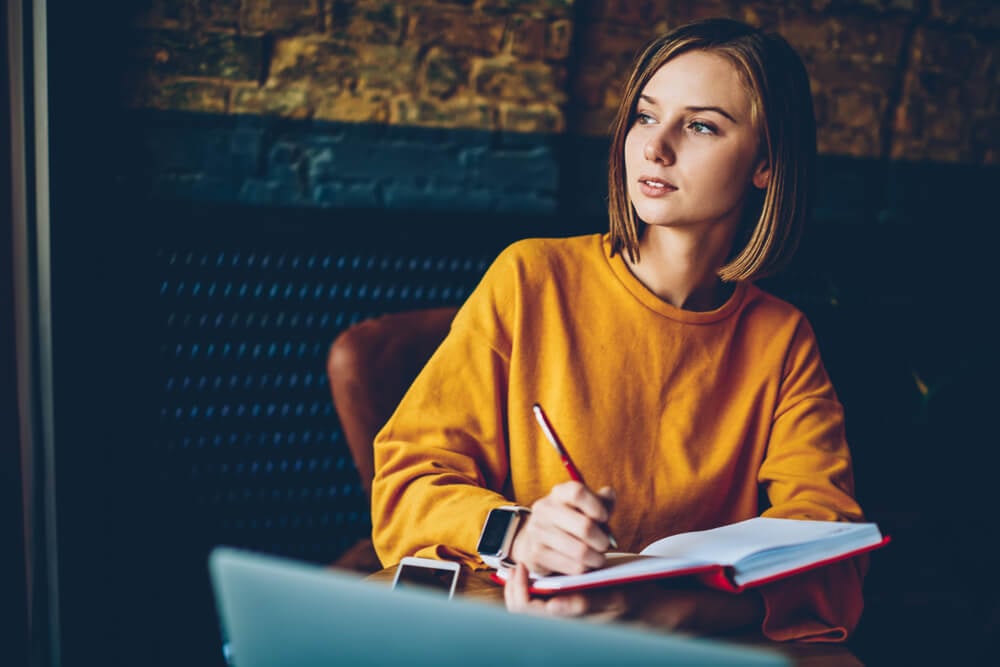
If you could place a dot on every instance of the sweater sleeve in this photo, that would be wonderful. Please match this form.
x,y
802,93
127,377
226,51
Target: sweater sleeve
x,y
441,460
808,475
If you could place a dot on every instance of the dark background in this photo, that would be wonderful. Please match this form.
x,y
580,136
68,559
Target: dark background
x,y
192,317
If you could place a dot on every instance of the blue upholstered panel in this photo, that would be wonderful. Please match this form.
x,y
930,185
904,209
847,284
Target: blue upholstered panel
x,y
246,431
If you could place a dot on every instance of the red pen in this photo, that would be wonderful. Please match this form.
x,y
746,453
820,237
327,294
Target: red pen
x,y
574,473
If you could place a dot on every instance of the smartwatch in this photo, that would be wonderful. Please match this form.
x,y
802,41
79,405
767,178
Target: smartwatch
x,y
498,534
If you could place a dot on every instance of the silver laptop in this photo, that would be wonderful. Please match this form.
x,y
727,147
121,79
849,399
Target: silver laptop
x,y
282,613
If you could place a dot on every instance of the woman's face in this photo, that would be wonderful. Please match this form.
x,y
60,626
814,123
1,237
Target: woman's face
x,y
693,150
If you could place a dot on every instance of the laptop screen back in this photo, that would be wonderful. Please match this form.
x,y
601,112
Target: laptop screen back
x,y
280,612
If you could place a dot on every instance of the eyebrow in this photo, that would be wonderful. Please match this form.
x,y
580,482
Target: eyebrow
x,y
718,110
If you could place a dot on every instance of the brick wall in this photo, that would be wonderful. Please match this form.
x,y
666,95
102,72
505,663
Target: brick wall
x,y
489,64
869,59
906,79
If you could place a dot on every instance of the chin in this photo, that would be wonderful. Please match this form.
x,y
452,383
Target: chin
x,y
660,220
656,215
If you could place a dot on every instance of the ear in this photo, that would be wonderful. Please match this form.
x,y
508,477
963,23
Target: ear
x,y
762,175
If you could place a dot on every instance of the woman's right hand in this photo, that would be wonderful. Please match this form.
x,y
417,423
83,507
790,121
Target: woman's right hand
x,y
566,531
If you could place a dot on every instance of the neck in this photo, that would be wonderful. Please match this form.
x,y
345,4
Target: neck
x,y
682,268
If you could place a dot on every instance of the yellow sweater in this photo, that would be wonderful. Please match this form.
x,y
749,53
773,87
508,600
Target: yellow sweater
x,y
688,415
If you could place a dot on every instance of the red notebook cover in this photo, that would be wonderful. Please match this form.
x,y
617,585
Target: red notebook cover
x,y
713,576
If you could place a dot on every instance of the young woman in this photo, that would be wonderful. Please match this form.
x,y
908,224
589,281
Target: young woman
x,y
689,396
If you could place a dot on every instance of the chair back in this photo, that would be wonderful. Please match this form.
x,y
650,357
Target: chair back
x,y
370,366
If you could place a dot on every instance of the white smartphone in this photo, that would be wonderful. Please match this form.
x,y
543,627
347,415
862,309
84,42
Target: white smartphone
x,y
427,574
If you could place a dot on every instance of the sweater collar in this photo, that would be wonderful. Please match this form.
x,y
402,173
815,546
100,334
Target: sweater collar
x,y
658,305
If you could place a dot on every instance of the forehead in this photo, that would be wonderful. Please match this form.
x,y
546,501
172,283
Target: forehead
x,y
699,78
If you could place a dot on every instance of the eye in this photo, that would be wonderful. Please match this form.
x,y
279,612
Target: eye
x,y
642,118
699,127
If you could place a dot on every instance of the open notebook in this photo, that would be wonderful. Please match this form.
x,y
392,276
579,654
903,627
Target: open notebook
x,y
732,557
278,612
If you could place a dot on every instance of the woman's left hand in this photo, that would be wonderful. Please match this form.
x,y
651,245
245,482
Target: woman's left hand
x,y
605,604
681,608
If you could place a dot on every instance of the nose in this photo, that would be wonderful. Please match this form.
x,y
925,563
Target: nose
x,y
658,149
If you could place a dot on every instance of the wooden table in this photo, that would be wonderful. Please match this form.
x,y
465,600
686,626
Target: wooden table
x,y
478,585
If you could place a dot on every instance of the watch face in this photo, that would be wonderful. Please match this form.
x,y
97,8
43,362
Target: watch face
x,y
494,532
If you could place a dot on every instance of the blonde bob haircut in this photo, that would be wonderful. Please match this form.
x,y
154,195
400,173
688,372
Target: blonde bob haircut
x,y
782,111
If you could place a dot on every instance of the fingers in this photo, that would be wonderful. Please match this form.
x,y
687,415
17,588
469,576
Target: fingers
x,y
576,511
517,597
560,552
515,592
608,495
578,497
592,511
565,531
600,606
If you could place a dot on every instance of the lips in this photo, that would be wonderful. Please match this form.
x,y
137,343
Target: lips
x,y
656,182
655,187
